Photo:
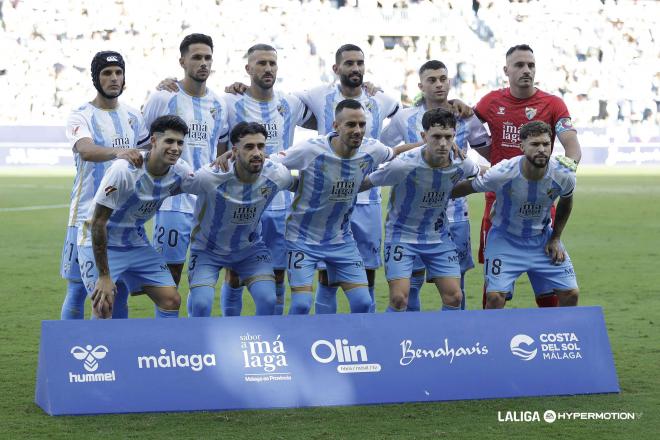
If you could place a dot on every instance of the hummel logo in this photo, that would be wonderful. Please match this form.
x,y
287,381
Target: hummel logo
x,y
89,355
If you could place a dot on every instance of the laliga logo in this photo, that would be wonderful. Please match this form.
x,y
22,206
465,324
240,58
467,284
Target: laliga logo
x,y
90,355
517,341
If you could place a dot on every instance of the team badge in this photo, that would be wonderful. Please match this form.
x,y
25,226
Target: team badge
x,y
364,165
280,110
369,106
213,111
500,110
265,191
530,112
551,193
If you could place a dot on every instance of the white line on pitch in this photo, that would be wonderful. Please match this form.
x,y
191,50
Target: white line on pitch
x,y
32,208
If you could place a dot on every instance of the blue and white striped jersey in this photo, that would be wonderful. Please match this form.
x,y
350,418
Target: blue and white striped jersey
x,y
206,117
228,211
279,116
523,206
134,195
406,127
122,127
327,190
322,101
416,212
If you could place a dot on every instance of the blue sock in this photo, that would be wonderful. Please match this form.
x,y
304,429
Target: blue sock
x,y
280,296
372,294
200,301
162,313
359,299
326,299
301,303
391,309
445,307
414,301
231,300
263,294
120,306
74,301
463,290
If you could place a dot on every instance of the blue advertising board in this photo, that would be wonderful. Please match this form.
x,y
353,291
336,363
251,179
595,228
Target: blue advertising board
x,y
144,365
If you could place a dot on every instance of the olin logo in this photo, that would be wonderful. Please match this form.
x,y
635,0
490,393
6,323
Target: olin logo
x,y
351,358
89,355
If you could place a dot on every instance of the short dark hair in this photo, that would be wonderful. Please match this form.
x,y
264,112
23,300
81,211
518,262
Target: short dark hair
x,y
347,103
346,48
168,122
534,128
243,129
431,65
512,49
194,39
261,46
438,117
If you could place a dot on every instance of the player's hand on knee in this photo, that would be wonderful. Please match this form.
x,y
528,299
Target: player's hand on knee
x,y
370,88
169,85
555,250
460,108
238,88
222,162
103,297
130,154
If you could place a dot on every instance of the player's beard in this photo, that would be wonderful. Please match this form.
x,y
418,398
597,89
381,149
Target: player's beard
x,y
263,85
535,164
346,80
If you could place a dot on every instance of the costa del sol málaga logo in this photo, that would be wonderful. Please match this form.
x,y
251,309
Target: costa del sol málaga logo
x,y
89,355
517,350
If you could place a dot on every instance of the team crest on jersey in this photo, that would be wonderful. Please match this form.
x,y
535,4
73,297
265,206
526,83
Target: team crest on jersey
x,y
455,178
552,193
109,190
500,110
265,191
369,106
132,122
280,110
364,165
530,112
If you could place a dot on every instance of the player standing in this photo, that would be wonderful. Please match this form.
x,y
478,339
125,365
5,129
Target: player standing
x,y
279,113
99,132
227,221
318,229
322,100
417,227
113,242
406,126
206,116
505,111
523,237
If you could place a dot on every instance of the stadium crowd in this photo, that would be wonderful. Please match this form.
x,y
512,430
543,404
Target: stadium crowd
x,y
601,57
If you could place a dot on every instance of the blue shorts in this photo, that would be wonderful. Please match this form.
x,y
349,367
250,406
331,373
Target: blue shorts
x,y
441,260
252,264
343,263
172,235
460,235
366,224
138,267
508,256
272,234
69,269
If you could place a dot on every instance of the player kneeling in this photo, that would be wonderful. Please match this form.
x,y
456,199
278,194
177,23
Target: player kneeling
x,y
523,238
113,243
416,225
227,216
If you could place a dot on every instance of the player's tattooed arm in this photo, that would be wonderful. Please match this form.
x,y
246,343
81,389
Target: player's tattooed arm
x,y
554,248
94,153
104,292
168,84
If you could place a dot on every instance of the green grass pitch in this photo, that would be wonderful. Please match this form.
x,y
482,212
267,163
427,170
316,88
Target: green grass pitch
x,y
613,237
